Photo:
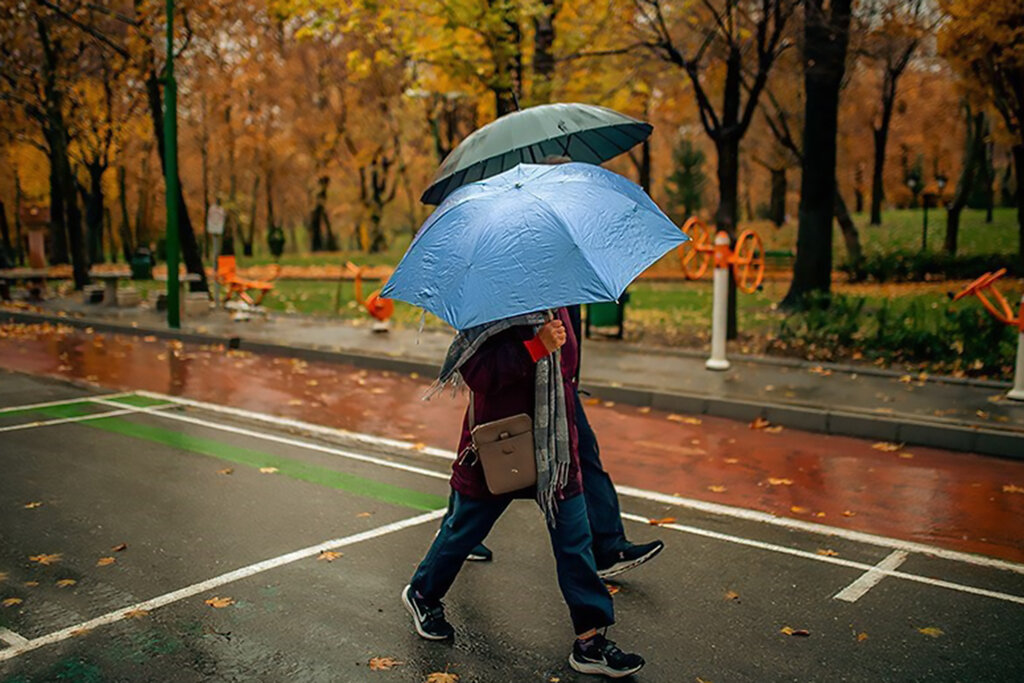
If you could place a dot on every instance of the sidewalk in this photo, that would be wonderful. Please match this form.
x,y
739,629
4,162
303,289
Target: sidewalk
x,y
944,412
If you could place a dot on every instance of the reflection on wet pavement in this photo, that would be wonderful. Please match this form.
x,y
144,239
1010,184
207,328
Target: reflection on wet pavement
x,y
954,500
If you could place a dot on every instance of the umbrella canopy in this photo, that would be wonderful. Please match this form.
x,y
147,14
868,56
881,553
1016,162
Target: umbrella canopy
x,y
532,238
582,132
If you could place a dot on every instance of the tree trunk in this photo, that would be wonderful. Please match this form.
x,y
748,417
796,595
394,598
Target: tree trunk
x,y
508,58
881,136
94,212
21,247
778,197
108,227
204,156
825,44
854,252
316,216
645,165
186,235
253,208
127,243
58,227
973,158
1018,168
143,211
543,57
5,238
271,222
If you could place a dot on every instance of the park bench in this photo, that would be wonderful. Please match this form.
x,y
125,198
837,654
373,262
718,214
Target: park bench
x,y
112,296
250,292
34,279
779,259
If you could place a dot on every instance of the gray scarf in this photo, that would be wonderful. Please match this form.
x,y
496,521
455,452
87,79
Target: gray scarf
x,y
550,424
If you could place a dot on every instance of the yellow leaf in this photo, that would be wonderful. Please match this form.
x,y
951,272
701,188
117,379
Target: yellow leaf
x,y
861,637
419,446
31,584
593,401
778,481
612,588
46,559
774,429
441,677
663,520
383,663
64,583
848,513
33,504
760,423
11,602
887,447
105,561
1010,488
731,461
219,602
135,614
328,555
732,595
312,383
295,402
226,470
932,631
798,509
717,488
268,470
365,514
905,455
827,552
644,410
789,631
906,379
120,547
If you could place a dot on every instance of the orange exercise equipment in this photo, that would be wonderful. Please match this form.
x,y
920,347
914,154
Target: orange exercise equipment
x,y
377,306
746,258
1004,314
227,276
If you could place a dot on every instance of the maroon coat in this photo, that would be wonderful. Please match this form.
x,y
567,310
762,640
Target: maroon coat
x,y
502,375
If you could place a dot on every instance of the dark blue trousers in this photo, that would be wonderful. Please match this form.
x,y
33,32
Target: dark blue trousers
x,y
602,501
468,522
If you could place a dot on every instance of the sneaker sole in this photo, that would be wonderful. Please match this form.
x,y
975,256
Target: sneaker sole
x,y
415,620
622,567
601,669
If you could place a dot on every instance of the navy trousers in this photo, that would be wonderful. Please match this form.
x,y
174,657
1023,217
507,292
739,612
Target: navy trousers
x,y
468,522
602,501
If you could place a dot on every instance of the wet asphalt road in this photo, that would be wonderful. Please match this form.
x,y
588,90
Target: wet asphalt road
x,y
711,607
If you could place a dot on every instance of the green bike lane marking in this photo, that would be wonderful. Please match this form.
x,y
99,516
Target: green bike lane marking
x,y
361,486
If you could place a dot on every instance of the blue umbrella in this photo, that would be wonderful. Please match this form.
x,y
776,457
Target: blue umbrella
x,y
532,238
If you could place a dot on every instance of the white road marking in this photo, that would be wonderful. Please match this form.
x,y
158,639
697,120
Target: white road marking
x,y
288,441
11,638
69,420
871,578
654,496
48,404
216,582
830,560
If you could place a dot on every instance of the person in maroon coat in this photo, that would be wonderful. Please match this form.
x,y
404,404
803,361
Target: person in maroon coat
x,y
526,365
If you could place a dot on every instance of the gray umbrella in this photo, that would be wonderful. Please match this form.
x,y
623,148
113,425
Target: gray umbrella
x,y
582,132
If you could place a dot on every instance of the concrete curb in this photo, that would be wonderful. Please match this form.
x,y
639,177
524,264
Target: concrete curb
x,y
908,429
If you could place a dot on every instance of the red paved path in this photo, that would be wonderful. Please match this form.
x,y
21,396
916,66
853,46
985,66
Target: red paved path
x,y
954,500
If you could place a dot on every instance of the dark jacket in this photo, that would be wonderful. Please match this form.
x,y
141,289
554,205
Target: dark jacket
x,y
501,375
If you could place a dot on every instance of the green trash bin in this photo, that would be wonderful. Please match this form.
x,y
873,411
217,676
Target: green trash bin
x,y
607,314
142,265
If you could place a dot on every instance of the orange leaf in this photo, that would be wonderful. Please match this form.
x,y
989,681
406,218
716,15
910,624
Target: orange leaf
x,y
226,470
798,509
848,513
663,520
11,602
383,663
774,429
328,555
795,631
31,584
773,481
905,455
685,419
120,547
219,602
46,559
612,588
716,488
365,514
1010,488
827,552
64,583
105,561
861,637
33,504
442,677
887,447
732,595
931,631
760,423
135,613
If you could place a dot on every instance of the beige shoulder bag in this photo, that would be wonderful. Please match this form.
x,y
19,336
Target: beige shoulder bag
x,y
505,450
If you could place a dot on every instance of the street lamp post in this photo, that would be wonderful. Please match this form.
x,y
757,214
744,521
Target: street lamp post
x,y
171,175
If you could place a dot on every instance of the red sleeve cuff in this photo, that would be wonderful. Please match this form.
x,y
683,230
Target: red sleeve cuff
x,y
536,348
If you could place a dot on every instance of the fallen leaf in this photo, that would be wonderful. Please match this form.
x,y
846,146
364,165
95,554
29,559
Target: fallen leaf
x,y
268,470
760,423
982,414
848,513
732,595
778,481
441,677
644,410
685,419
149,339
609,404
731,461
861,637
328,555
932,631
11,602
795,631
593,401
120,547
46,559
819,514
905,455
226,470
295,402
64,583
79,632
663,520
612,588
135,614
365,514
717,488
818,370
383,663
105,561
774,429
31,584
798,509
827,552
906,379
1010,488
33,504
219,602
887,447
419,446
311,383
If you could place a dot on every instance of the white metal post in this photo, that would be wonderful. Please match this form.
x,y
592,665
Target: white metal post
x,y
720,304
1017,392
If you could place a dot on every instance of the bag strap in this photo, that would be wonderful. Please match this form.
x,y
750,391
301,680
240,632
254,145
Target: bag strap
x,y
472,420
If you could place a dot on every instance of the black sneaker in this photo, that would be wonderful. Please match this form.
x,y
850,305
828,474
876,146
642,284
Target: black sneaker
x,y
428,619
480,553
631,557
598,655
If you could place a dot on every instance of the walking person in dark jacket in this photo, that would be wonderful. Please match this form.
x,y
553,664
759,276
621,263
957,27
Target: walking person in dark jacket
x,y
510,366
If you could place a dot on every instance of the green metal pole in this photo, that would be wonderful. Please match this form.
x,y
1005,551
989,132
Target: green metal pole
x,y
171,176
